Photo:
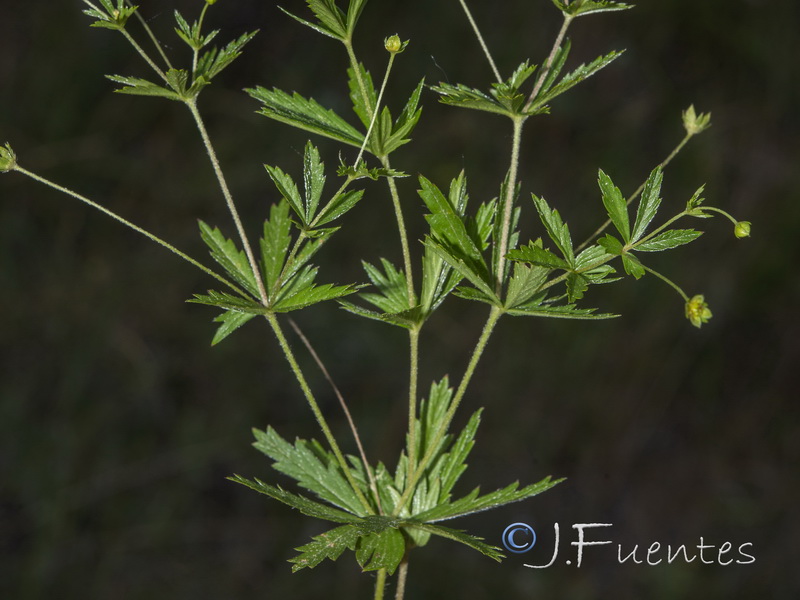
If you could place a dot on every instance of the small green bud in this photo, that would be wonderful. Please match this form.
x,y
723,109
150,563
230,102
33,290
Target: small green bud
x,y
697,311
694,123
742,229
8,160
394,45
210,2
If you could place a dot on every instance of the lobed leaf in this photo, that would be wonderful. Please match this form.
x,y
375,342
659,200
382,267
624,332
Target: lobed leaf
x,y
669,239
615,206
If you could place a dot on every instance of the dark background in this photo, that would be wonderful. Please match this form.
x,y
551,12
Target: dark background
x,y
119,424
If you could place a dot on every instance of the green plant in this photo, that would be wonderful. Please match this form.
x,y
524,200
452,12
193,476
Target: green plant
x,y
379,513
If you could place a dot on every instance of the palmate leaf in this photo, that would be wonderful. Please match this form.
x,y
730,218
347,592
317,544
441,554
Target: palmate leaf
x,y
405,123
306,114
301,292
313,467
393,296
229,302
466,97
108,15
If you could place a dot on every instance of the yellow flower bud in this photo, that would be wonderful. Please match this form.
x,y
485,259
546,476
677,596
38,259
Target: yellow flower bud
x,y
697,311
393,44
742,229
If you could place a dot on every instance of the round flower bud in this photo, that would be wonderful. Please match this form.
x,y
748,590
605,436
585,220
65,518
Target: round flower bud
x,y
697,311
393,44
742,229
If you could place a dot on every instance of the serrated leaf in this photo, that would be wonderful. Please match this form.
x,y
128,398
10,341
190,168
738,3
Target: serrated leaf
x,y
274,246
141,87
382,550
556,66
306,114
534,254
229,302
229,257
524,284
313,468
354,12
304,505
231,321
362,106
407,318
473,502
288,190
313,294
478,278
406,122
391,283
465,97
593,256
474,542
577,284
558,312
329,545
213,62
338,206
669,239
556,228
313,180
610,244
632,265
615,206
648,205
570,80
587,7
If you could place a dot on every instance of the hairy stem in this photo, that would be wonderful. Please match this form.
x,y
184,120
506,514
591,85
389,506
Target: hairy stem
x,y
312,402
402,575
488,328
136,228
380,584
372,484
481,41
212,155
635,194
508,204
413,376
401,227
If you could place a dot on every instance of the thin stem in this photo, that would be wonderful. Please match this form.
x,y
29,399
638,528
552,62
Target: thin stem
x,y
136,228
380,584
488,328
730,217
549,64
413,337
401,227
212,155
151,35
377,107
402,575
635,194
373,485
312,402
508,204
481,41
144,54
668,281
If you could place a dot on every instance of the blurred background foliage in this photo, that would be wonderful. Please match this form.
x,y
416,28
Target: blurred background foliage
x,y
118,422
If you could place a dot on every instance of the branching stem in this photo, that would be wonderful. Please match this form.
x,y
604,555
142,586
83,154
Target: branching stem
x,y
212,155
368,469
312,402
